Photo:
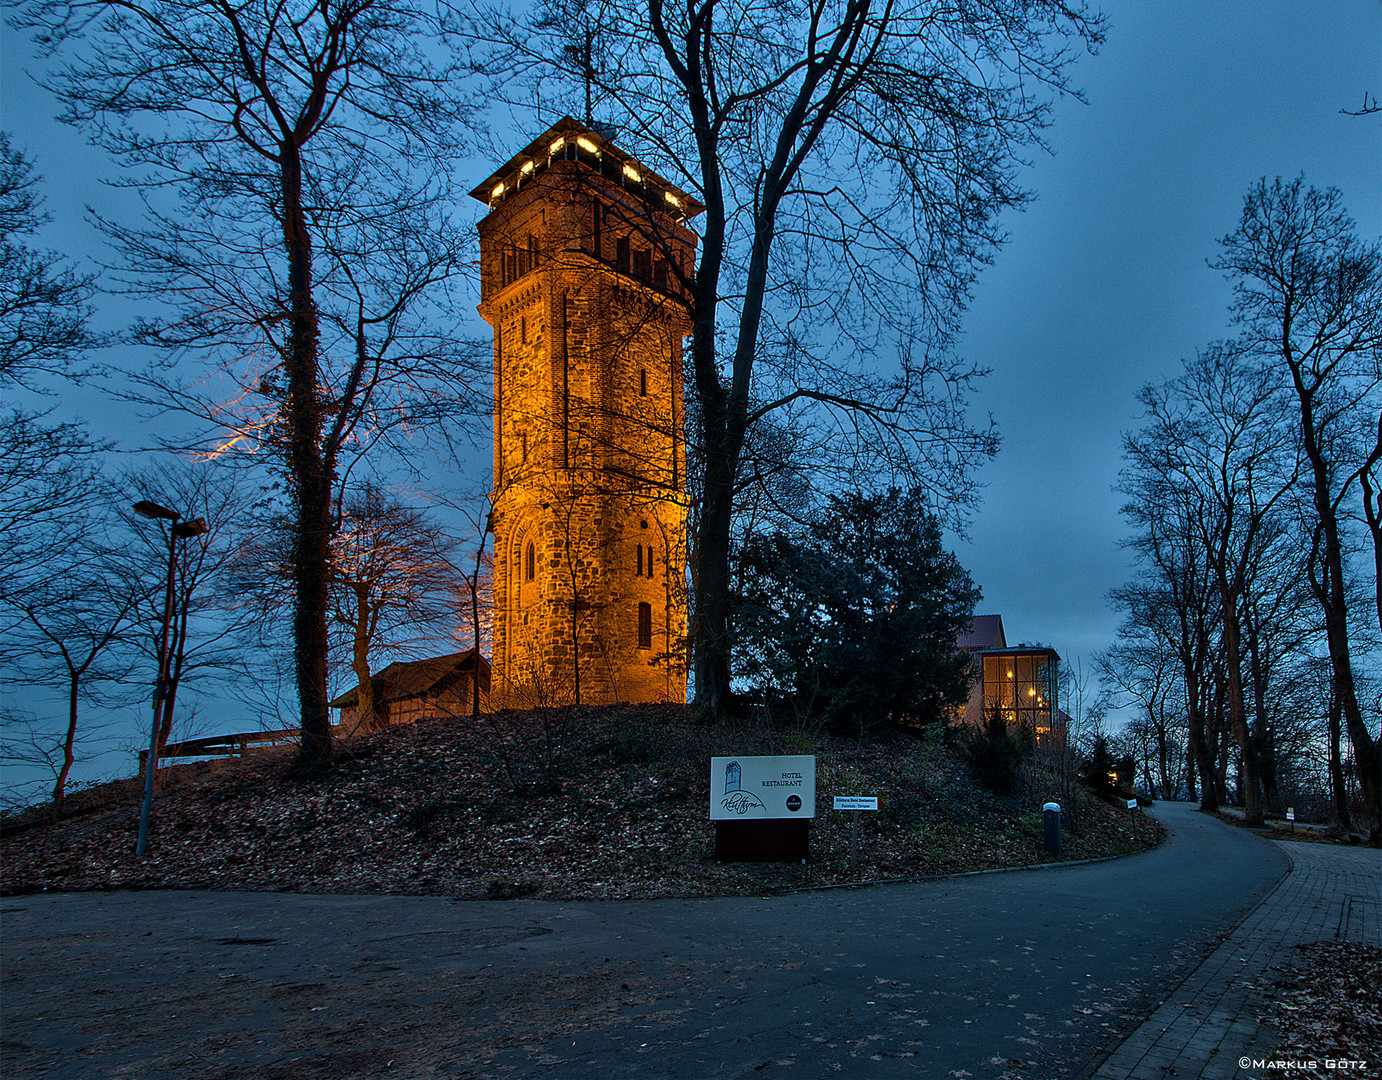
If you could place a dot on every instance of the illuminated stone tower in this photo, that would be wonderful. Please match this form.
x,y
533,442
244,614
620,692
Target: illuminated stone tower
x,y
584,260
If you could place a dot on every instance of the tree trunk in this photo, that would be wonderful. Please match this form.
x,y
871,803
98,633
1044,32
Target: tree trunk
x,y
1201,754
365,719
177,656
1372,512
1237,707
68,745
1261,729
1220,736
1162,752
710,573
713,692
475,622
310,474
1337,788
1367,752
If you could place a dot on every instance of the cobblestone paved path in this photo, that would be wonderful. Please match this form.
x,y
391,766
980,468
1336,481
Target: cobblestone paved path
x,y
1209,1027
1029,974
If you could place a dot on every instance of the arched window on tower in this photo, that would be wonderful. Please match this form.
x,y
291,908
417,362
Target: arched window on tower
x,y
645,625
530,562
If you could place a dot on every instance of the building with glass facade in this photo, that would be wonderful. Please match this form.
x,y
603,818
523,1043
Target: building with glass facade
x,y
1021,684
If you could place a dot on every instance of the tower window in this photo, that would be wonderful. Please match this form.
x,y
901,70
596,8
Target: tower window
x,y
621,255
530,562
643,382
639,571
645,625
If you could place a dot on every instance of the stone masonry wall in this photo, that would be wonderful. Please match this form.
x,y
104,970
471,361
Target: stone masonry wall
x,y
589,508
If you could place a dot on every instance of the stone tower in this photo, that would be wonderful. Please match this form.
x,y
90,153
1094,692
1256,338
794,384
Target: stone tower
x,y
584,259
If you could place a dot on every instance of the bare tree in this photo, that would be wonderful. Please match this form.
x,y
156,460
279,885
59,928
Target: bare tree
x,y
1308,295
1214,432
392,582
47,471
44,306
211,629
306,148
851,158
1162,516
1370,481
65,631
1368,108
473,592
1143,668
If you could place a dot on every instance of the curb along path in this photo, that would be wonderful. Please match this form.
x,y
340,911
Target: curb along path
x,y
1203,1030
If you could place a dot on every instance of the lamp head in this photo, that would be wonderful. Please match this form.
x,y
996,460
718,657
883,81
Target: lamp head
x,y
153,510
195,527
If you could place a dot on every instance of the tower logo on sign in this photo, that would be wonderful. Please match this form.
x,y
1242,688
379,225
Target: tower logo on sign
x,y
736,800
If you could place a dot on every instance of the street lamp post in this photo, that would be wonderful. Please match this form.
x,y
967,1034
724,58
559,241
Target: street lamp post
x,y
179,530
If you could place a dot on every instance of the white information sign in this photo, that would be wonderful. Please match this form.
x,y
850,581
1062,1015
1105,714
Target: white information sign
x,y
1132,804
742,788
856,802
1290,813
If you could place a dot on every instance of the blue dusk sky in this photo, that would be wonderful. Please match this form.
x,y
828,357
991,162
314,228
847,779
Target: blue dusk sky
x,y
1102,287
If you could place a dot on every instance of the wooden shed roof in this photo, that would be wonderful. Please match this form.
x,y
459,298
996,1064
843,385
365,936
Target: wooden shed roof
x,y
405,679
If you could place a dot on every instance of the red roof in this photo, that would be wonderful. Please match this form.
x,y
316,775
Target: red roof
x,y
984,633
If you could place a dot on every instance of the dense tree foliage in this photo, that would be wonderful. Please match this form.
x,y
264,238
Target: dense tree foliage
x,y
854,619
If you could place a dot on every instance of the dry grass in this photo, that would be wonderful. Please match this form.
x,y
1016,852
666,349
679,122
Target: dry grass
x,y
562,804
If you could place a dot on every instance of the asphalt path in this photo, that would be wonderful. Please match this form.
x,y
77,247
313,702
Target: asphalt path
x,y
1036,974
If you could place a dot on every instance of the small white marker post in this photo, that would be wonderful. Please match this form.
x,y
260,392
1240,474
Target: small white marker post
x,y
1291,817
855,803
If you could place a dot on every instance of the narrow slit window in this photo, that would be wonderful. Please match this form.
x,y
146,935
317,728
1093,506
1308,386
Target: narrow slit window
x,y
643,382
645,625
530,562
639,571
